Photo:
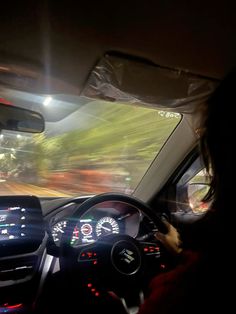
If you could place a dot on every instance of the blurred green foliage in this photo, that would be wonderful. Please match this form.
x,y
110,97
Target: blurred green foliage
x,y
121,138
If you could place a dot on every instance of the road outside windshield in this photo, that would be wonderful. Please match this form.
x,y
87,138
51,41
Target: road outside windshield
x,y
101,147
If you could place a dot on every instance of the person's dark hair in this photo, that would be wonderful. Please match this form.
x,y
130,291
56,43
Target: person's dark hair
x,y
217,138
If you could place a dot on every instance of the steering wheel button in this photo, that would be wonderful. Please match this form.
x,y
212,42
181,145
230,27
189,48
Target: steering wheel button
x,y
87,256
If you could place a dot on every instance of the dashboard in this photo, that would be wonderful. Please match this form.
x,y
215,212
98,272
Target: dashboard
x,y
110,217
32,230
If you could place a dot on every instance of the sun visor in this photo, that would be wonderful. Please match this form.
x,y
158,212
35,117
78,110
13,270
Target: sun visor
x,y
125,80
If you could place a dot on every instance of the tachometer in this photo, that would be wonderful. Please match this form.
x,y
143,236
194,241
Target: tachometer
x,y
107,225
59,228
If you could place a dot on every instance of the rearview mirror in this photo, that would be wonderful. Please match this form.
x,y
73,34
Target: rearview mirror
x,y
19,119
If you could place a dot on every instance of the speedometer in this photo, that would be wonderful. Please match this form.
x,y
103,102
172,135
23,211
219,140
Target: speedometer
x,y
107,225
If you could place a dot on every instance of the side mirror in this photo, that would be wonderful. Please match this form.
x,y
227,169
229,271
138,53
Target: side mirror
x,y
20,119
196,193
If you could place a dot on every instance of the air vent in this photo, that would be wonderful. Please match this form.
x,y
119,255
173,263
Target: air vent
x,y
19,268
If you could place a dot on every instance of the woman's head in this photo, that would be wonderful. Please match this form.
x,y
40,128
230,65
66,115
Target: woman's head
x,y
217,140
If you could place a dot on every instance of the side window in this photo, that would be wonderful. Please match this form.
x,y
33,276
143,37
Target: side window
x,y
191,190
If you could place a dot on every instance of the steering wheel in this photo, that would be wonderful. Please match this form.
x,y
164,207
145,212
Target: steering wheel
x,y
114,262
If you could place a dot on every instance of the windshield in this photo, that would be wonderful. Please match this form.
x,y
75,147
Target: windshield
x,y
88,147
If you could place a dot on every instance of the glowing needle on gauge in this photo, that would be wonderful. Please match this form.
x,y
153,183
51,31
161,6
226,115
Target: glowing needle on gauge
x,y
105,228
59,229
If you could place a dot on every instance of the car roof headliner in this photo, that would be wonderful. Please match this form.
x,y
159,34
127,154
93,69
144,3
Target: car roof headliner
x,y
65,39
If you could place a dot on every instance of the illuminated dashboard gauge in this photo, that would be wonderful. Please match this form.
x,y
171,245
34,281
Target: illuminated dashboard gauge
x,y
86,229
75,236
106,225
59,228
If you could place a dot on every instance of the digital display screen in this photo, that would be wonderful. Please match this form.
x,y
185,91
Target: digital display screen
x,y
21,224
86,229
13,223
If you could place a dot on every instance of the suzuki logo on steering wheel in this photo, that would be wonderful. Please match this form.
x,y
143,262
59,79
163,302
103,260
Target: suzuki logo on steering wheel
x,y
127,256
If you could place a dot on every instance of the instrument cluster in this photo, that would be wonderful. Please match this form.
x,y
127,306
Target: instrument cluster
x,y
101,220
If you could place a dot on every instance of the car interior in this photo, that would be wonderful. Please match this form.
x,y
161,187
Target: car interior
x,y
100,107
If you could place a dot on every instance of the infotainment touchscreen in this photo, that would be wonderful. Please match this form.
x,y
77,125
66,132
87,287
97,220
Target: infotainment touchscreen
x,y
21,221
13,223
